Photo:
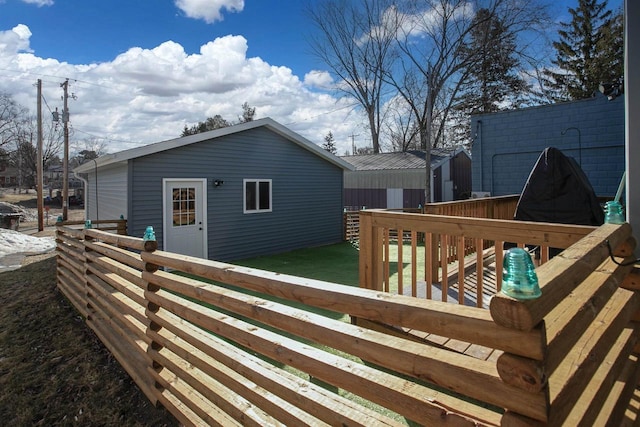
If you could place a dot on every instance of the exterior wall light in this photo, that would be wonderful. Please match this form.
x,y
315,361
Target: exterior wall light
x,y
217,182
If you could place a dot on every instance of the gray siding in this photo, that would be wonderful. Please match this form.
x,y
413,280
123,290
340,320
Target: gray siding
x,y
388,178
507,144
306,199
111,191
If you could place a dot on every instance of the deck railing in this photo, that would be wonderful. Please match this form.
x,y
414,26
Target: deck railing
x,y
502,207
441,251
222,344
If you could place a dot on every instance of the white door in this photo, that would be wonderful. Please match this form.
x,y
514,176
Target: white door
x,y
395,198
185,222
447,191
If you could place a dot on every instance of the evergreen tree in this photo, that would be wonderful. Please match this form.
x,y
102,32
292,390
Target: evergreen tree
x,y
589,51
329,143
611,49
491,78
491,81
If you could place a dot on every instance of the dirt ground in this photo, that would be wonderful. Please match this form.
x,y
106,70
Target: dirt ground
x,y
53,368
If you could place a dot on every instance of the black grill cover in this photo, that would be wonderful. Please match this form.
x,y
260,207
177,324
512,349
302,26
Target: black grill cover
x,y
558,191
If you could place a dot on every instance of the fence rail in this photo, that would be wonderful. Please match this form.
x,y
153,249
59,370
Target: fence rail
x,y
221,344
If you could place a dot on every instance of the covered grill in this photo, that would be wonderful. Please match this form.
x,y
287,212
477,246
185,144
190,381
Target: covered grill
x,y
558,190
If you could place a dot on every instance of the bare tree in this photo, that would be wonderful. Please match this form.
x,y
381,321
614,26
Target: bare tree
x,y
415,49
399,126
25,153
12,118
356,40
434,61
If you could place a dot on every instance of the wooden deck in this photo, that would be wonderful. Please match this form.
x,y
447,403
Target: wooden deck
x,y
470,298
489,288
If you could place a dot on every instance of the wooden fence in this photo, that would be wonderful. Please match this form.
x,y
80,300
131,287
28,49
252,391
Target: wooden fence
x,y
351,225
221,344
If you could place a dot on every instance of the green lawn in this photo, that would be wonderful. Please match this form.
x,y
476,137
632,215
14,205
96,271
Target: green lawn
x,y
333,263
336,263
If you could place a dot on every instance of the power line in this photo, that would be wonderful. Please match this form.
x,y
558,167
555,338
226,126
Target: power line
x,y
47,104
106,137
54,77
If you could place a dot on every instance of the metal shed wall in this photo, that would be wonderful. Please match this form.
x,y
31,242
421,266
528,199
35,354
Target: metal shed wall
x,y
307,193
389,178
107,197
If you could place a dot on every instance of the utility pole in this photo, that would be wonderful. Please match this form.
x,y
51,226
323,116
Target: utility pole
x,y
353,143
65,161
39,189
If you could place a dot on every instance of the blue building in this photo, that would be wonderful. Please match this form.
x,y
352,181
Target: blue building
x,y
507,144
252,189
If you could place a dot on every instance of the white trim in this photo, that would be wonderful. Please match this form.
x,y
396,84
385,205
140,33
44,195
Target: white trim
x,y
244,196
205,208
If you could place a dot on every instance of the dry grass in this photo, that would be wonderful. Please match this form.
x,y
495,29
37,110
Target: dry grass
x,y
53,369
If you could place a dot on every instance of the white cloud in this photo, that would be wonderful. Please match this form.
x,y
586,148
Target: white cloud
x,y
418,22
39,3
319,79
15,40
208,10
149,95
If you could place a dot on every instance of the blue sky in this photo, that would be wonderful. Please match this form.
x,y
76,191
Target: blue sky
x,y
143,69
82,32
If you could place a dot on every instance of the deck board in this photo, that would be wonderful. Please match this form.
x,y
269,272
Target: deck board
x,y
489,289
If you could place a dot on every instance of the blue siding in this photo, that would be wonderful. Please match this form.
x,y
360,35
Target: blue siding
x,y
507,144
306,198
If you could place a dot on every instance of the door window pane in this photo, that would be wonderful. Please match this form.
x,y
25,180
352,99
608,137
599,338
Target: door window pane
x,y
184,206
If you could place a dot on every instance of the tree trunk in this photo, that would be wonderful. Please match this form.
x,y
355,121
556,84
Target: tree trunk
x,y
375,140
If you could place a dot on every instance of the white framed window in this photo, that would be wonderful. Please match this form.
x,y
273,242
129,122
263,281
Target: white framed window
x,y
257,195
